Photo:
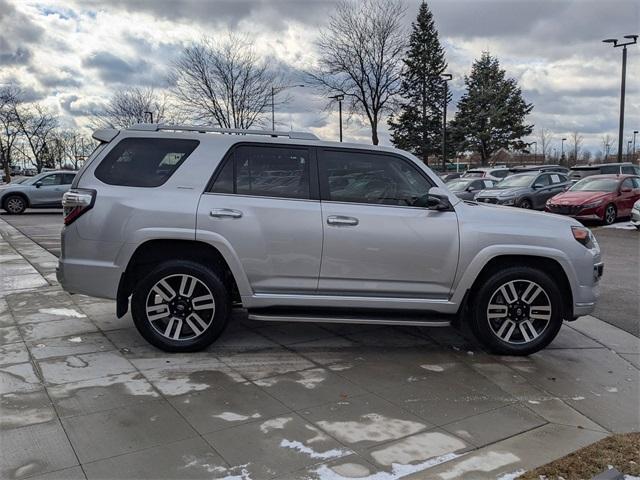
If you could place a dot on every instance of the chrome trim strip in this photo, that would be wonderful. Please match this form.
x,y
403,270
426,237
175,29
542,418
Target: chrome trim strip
x,y
329,319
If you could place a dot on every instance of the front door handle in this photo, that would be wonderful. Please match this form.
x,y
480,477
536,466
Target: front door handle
x,y
342,221
225,213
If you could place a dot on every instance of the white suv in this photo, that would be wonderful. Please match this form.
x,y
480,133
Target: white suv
x,y
180,223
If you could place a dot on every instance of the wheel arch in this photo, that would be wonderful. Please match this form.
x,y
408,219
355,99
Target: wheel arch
x,y
7,195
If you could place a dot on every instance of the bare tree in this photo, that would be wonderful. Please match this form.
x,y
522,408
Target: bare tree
x,y
77,148
223,83
575,140
361,54
586,156
544,140
9,129
37,126
606,145
130,106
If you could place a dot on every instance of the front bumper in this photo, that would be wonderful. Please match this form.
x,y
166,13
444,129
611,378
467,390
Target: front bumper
x,y
577,211
635,217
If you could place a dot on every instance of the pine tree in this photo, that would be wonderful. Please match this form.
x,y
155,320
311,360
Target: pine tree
x,y
491,114
418,125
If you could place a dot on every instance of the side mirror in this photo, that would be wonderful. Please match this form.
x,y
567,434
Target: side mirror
x,y
38,184
437,199
469,189
626,190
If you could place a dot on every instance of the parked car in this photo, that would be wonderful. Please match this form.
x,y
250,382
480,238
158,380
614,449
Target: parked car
x,y
447,177
598,197
42,191
30,172
16,170
539,168
525,190
635,214
180,223
467,188
578,172
490,173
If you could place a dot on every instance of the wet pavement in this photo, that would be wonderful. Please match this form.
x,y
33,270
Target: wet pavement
x,y
84,396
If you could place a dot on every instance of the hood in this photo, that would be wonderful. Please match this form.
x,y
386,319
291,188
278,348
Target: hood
x,y
514,218
578,198
504,192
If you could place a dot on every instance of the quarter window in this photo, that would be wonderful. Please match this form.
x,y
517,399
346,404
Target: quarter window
x,y
67,178
144,162
369,178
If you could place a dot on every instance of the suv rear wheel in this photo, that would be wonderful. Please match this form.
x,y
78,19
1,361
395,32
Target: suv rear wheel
x,y
517,311
15,204
181,306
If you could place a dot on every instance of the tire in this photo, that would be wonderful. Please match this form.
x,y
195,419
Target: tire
x,y
524,335
14,204
610,214
525,203
185,313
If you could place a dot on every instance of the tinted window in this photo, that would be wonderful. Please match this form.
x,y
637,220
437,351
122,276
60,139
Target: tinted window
x,y
144,162
67,178
224,180
542,181
636,182
368,178
272,171
50,179
627,184
610,169
500,173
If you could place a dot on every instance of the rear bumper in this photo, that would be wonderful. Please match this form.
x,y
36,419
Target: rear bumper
x,y
93,279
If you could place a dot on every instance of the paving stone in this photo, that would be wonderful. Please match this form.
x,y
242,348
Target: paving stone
x,y
555,410
262,364
14,283
83,367
186,459
612,337
126,337
94,308
309,388
216,409
100,394
58,312
387,337
14,353
109,321
276,446
633,359
9,334
33,450
6,319
495,425
571,338
70,345
364,421
289,333
125,430
20,377
56,328
32,302
73,473
240,340
17,267
348,467
20,409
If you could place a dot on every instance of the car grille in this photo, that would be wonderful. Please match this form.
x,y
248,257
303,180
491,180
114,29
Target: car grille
x,y
565,209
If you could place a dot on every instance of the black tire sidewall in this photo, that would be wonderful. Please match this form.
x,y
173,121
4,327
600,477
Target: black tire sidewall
x,y
18,197
480,324
209,277
604,216
526,201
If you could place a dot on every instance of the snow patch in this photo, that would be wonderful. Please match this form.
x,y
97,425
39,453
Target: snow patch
x,y
480,463
511,475
235,417
64,312
577,398
302,448
433,368
274,424
417,448
611,389
75,339
373,427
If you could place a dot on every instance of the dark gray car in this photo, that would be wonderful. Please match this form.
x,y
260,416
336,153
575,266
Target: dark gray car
x,y
467,188
525,190
42,191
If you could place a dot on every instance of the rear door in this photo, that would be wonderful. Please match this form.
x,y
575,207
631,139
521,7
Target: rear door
x,y
627,197
264,202
47,191
377,241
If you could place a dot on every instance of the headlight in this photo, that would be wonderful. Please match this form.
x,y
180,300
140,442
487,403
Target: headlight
x,y
592,204
584,236
510,201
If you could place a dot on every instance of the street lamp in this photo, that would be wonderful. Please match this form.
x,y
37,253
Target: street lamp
x,y
628,149
273,105
535,155
633,39
339,98
562,149
445,77
635,132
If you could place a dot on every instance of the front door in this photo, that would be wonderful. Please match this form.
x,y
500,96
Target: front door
x,y
377,241
264,204
48,190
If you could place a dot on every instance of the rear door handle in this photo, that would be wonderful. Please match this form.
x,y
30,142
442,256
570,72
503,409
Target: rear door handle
x,y
342,221
225,213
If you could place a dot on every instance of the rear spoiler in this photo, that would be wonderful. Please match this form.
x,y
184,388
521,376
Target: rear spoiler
x,y
105,135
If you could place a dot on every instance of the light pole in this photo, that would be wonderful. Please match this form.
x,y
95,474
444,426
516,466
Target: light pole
x,y
273,104
446,77
633,39
635,132
628,149
339,98
535,155
562,150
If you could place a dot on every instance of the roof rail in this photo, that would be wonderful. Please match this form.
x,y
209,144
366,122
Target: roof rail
x,y
154,127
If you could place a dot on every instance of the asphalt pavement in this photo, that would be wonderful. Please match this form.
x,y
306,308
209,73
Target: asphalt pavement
x,y
618,304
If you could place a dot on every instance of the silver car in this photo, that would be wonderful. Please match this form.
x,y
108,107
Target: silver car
x,y
468,188
529,190
181,223
41,191
635,214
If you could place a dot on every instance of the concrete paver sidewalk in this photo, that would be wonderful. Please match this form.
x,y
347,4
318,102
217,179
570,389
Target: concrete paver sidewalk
x,y
84,396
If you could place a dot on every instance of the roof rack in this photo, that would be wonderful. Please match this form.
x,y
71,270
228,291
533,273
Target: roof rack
x,y
154,127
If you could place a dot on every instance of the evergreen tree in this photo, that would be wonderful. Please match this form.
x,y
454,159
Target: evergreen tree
x,y
418,125
491,114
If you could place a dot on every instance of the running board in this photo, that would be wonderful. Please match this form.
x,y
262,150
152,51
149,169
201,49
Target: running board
x,y
411,319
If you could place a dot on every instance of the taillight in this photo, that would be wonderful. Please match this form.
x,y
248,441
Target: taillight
x,y
76,202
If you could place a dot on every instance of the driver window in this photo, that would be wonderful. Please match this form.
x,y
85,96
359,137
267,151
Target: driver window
x,y
370,178
50,180
542,181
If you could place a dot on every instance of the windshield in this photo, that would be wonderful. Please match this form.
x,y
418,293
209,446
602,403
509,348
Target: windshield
x,y
596,185
474,174
458,185
32,180
516,181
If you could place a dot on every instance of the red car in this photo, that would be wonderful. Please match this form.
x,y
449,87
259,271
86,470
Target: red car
x,y
598,197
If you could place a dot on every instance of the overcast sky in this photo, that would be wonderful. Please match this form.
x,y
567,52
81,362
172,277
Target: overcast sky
x,y
72,54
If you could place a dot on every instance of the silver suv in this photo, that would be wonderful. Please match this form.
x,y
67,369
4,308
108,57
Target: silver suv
x,y
42,191
182,223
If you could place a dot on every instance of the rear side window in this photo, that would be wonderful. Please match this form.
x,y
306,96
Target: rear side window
x,y
67,178
144,162
610,169
500,173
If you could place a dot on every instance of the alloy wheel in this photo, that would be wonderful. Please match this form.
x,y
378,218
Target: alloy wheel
x,y
15,205
180,307
525,204
610,214
519,311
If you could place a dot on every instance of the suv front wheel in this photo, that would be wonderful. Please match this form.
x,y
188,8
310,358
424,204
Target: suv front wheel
x,y
180,306
517,311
